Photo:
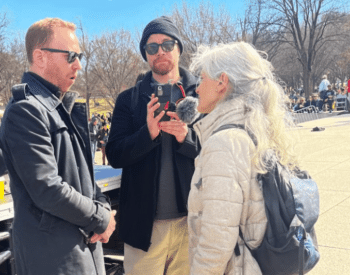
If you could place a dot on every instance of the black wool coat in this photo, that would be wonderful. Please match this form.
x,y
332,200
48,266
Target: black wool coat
x,y
47,152
130,147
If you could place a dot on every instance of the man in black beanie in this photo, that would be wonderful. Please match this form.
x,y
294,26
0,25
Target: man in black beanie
x,y
157,158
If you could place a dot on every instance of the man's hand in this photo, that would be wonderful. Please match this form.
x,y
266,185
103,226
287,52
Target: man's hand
x,y
175,127
95,238
153,122
104,237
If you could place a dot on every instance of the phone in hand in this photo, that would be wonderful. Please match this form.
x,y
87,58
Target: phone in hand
x,y
163,92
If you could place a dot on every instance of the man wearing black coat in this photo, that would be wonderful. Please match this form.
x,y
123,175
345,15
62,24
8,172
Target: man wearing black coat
x,y
157,159
61,216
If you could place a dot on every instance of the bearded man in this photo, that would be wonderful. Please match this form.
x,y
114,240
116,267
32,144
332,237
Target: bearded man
x,y
157,158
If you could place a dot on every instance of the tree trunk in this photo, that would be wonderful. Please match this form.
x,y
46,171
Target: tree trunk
x,y
88,95
307,83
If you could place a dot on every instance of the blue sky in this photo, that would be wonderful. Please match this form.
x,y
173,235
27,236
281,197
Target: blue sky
x,y
99,15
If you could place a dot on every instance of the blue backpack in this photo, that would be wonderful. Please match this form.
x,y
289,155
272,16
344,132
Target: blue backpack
x,y
292,208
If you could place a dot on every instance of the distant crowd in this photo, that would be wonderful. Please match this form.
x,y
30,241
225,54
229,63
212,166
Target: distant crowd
x,y
326,98
99,132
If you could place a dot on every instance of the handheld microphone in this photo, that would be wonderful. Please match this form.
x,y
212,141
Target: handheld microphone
x,y
187,109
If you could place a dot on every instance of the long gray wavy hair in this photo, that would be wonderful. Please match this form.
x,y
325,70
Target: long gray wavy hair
x,y
253,84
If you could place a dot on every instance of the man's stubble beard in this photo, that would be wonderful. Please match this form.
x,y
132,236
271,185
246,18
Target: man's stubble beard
x,y
162,69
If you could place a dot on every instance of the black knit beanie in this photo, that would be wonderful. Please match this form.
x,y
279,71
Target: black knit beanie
x,y
161,25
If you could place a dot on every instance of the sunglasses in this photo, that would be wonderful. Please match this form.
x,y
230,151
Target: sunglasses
x,y
71,55
153,48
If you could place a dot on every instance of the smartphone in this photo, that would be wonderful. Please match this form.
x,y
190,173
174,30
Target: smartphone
x,y
163,92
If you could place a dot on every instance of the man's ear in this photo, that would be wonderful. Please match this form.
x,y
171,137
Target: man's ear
x,y
39,58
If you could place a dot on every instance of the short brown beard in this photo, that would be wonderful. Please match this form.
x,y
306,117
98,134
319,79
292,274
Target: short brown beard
x,y
162,71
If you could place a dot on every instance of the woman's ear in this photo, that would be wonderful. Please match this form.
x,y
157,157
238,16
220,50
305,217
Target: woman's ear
x,y
223,83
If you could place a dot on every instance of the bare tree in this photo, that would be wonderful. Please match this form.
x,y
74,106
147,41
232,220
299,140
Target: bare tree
x,y
341,65
258,27
117,63
3,55
287,68
11,65
88,83
15,64
304,24
4,22
202,25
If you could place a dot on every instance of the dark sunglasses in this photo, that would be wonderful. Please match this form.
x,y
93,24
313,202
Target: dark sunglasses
x,y
71,55
153,48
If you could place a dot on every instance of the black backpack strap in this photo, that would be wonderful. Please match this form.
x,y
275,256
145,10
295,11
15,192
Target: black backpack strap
x,y
135,95
239,126
19,91
228,126
237,251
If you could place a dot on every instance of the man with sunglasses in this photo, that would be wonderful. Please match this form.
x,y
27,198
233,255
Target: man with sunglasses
x,y
157,159
61,216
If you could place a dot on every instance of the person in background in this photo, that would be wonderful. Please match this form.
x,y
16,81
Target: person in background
x,y
308,102
109,117
323,86
93,130
315,100
61,216
320,103
102,137
300,104
103,120
340,99
329,98
157,159
237,87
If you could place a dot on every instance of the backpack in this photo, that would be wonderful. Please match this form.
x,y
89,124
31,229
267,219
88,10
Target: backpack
x,y
135,95
292,208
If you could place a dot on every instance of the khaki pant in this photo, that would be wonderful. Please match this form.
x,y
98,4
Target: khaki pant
x,y
168,253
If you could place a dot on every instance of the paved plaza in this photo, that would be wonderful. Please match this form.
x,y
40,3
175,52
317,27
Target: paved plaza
x,y
326,156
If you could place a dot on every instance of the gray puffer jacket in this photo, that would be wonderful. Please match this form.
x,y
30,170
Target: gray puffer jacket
x,y
224,196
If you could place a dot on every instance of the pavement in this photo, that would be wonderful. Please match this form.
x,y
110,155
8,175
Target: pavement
x,y
326,156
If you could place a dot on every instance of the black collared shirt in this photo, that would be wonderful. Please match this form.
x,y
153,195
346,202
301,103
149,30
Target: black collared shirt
x,y
52,88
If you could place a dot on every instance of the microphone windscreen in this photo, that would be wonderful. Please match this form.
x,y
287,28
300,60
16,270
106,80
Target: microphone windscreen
x,y
187,109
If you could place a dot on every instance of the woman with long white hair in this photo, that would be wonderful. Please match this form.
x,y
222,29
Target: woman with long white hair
x,y
237,87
